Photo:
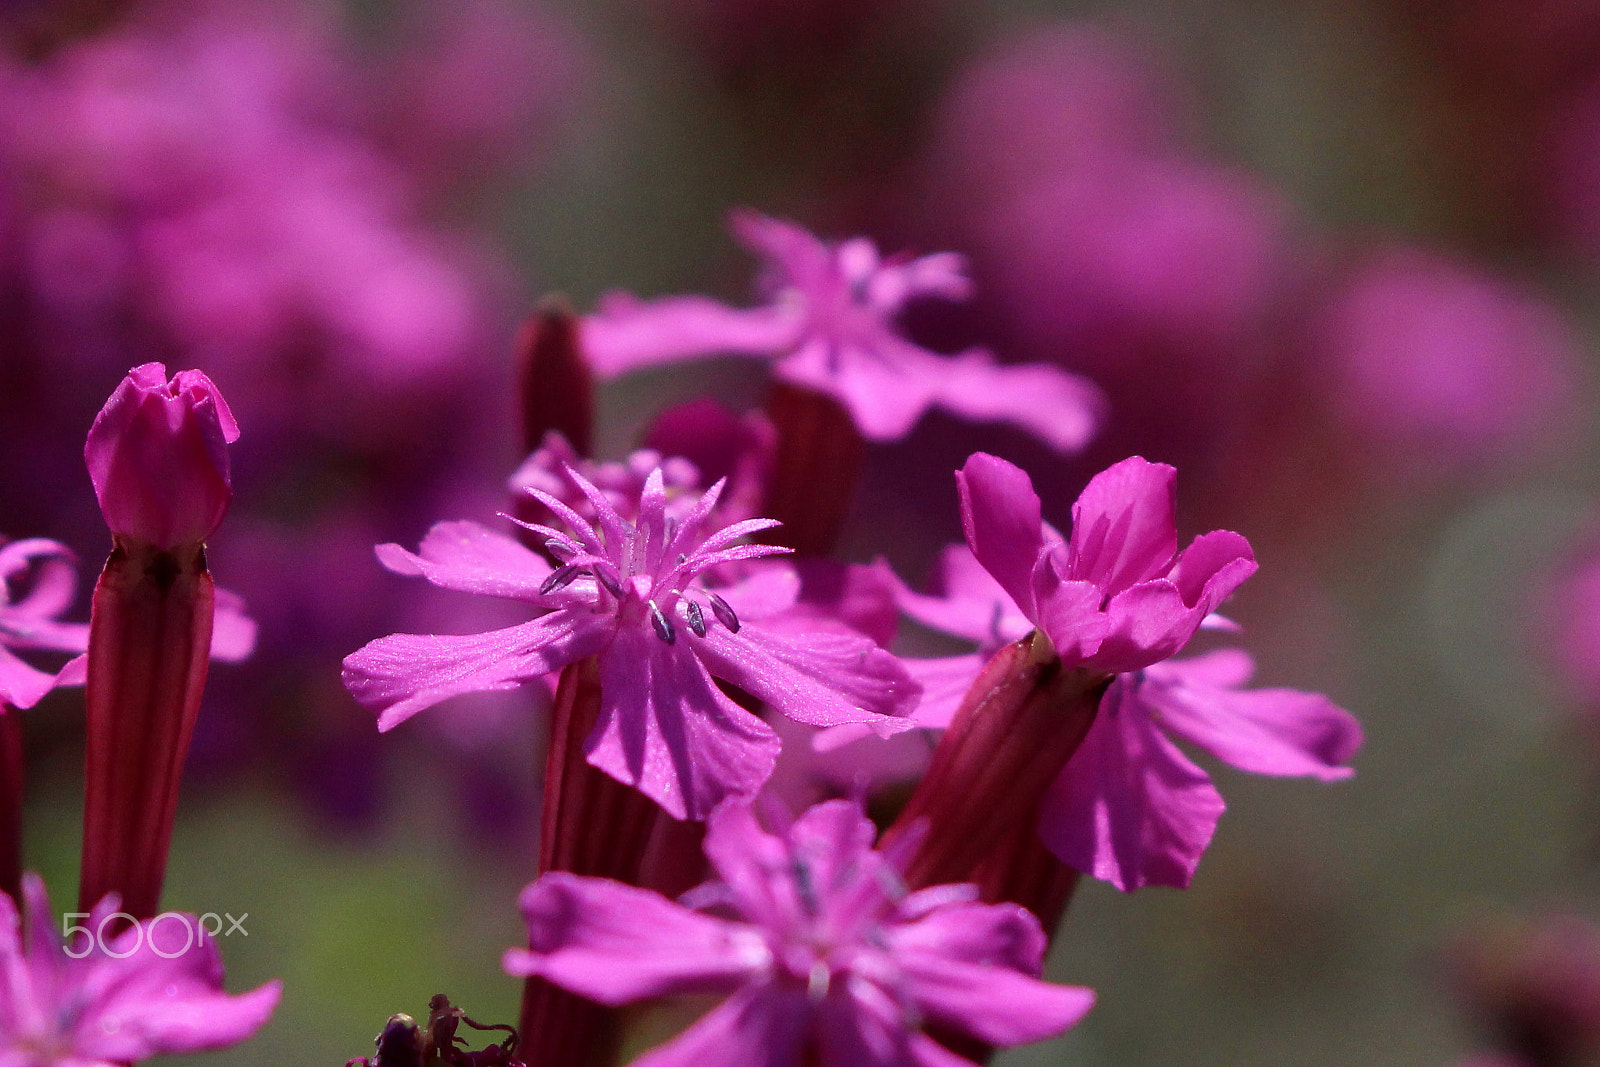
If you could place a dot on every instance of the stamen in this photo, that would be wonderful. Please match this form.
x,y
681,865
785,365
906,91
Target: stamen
x,y
559,579
671,531
697,620
562,550
663,627
724,614
604,576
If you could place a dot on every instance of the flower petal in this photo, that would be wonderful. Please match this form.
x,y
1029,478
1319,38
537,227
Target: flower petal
x,y
972,604
1123,525
1265,731
1129,808
1001,518
399,675
759,1026
21,686
819,678
615,943
626,334
885,382
1060,409
666,730
470,557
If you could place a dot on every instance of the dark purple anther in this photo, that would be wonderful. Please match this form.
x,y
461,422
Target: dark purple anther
x,y
697,620
560,549
559,579
663,627
724,613
604,576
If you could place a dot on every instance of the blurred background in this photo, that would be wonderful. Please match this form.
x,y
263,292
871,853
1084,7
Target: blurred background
x,y
1338,261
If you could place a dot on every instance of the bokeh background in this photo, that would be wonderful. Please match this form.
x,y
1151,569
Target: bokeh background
x,y
1338,260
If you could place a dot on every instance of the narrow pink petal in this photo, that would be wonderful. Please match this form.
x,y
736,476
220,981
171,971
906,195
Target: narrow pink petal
x,y
627,334
22,686
1129,808
997,1005
54,580
617,944
1225,668
471,558
745,858
666,730
944,682
973,604
1212,567
399,675
885,382
1123,525
1060,409
998,935
798,253
819,678
759,1026
1000,516
768,588
1265,731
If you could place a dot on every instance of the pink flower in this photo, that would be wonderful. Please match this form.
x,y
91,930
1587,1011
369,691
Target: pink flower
x,y
152,990
630,594
30,623
1117,595
825,952
1129,807
158,456
829,327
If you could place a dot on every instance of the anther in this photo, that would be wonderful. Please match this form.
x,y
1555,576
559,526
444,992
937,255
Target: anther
x,y
560,549
604,576
697,620
658,619
724,614
559,578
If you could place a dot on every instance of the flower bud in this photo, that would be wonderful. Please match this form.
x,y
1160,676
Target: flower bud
x,y
158,456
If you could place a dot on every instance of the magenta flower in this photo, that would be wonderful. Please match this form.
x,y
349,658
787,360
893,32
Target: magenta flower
x,y
829,327
152,990
826,956
1131,809
631,594
158,456
30,623
1117,595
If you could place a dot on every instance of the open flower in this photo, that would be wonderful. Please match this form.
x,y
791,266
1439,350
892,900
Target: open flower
x,y
826,957
829,327
1117,598
99,1001
30,622
631,594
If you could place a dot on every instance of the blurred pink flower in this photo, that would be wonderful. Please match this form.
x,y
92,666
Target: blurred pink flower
x,y
44,573
100,1001
829,327
1437,365
825,951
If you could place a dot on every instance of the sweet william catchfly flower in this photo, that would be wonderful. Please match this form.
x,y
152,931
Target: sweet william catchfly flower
x,y
830,327
826,958
633,595
1111,603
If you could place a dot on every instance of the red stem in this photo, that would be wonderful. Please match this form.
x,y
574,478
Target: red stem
x,y
11,769
149,647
